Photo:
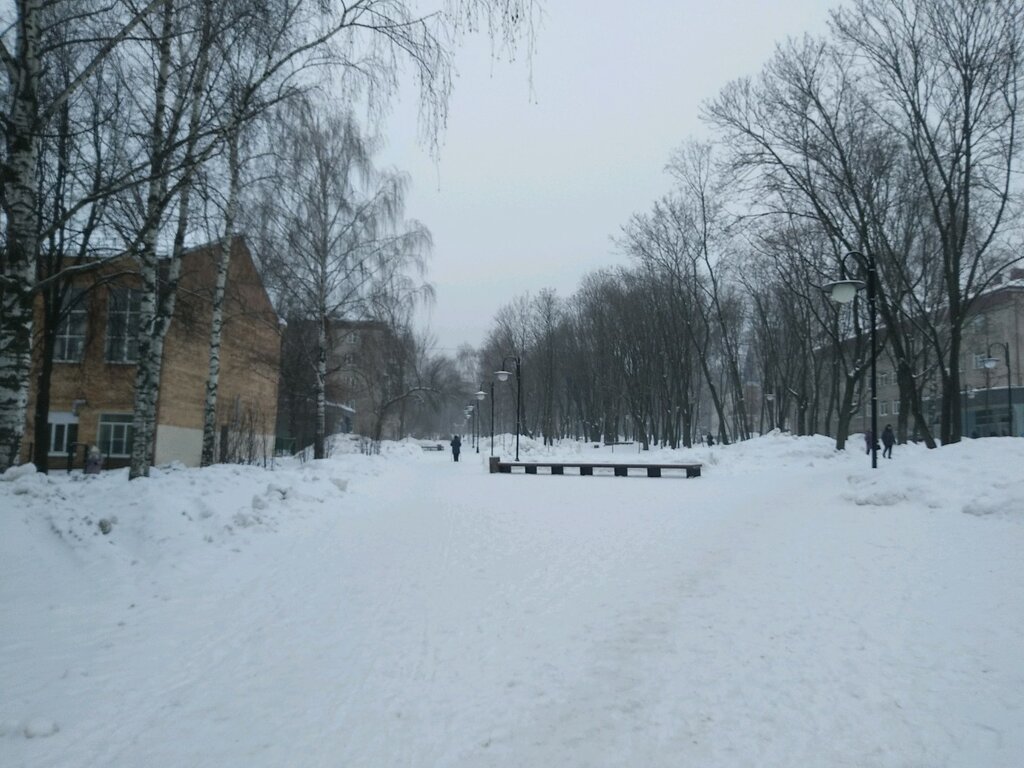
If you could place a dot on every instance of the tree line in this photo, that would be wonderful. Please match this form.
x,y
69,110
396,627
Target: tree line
x,y
892,138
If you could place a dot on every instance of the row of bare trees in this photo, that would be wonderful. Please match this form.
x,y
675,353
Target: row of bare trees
x,y
894,137
137,128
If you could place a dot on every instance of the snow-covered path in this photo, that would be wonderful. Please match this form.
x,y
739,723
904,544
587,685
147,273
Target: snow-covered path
x,y
767,614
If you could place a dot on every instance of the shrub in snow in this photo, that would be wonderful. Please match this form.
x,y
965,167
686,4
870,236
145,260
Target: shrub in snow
x,y
22,470
105,526
244,520
40,728
280,491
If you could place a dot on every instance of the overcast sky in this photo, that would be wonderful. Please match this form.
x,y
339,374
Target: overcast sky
x,y
531,185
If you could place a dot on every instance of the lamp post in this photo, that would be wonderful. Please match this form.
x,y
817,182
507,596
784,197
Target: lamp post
x,y
966,396
770,397
471,413
492,417
843,291
503,375
480,395
992,362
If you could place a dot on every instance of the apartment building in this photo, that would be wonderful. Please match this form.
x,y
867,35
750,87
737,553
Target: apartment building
x,y
990,370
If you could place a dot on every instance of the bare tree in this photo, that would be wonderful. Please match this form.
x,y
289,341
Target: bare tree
x,y
947,76
333,234
29,111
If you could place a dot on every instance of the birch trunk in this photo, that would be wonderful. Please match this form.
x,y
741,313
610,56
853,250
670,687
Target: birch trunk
x,y
217,320
157,309
18,274
147,375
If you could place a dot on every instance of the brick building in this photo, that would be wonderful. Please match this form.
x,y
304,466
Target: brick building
x,y
92,386
357,368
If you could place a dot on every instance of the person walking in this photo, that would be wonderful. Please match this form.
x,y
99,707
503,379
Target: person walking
x,y
456,446
869,440
888,440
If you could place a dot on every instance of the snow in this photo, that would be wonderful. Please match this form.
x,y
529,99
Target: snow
x,y
789,607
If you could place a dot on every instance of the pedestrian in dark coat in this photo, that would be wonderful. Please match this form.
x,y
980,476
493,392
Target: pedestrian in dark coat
x,y
888,440
456,446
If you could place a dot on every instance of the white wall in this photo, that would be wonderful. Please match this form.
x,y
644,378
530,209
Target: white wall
x,y
178,444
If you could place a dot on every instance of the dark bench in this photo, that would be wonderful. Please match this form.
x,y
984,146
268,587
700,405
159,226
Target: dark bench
x,y
588,467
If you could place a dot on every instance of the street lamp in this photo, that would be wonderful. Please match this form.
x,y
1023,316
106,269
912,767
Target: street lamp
x,y
992,362
503,375
966,396
843,291
480,395
471,414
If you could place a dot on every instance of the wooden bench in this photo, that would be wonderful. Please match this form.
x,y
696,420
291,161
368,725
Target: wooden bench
x,y
588,467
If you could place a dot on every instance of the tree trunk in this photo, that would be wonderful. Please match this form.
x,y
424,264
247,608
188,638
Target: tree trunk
x,y
22,247
320,431
147,371
41,436
217,321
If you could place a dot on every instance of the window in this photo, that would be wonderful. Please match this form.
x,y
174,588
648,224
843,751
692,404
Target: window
x,y
123,326
979,361
71,331
349,358
63,433
895,407
115,438
883,408
883,379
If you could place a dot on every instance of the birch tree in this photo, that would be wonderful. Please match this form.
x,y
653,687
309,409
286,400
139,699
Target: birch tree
x,y
335,226
29,109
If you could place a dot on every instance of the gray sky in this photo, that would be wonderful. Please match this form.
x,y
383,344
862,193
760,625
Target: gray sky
x,y
531,186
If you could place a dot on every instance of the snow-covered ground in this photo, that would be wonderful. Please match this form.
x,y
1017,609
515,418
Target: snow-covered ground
x,y
789,608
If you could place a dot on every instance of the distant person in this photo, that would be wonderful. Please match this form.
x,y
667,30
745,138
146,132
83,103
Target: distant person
x,y
711,440
888,440
868,440
456,446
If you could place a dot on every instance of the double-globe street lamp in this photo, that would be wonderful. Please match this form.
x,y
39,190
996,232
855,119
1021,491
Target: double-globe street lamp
x,y
472,423
480,395
992,362
503,375
843,291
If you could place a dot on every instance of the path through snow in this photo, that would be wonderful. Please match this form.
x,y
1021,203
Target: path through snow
x,y
435,615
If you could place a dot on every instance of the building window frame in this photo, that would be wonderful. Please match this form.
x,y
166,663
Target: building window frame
x,y
115,435
63,432
123,314
69,344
